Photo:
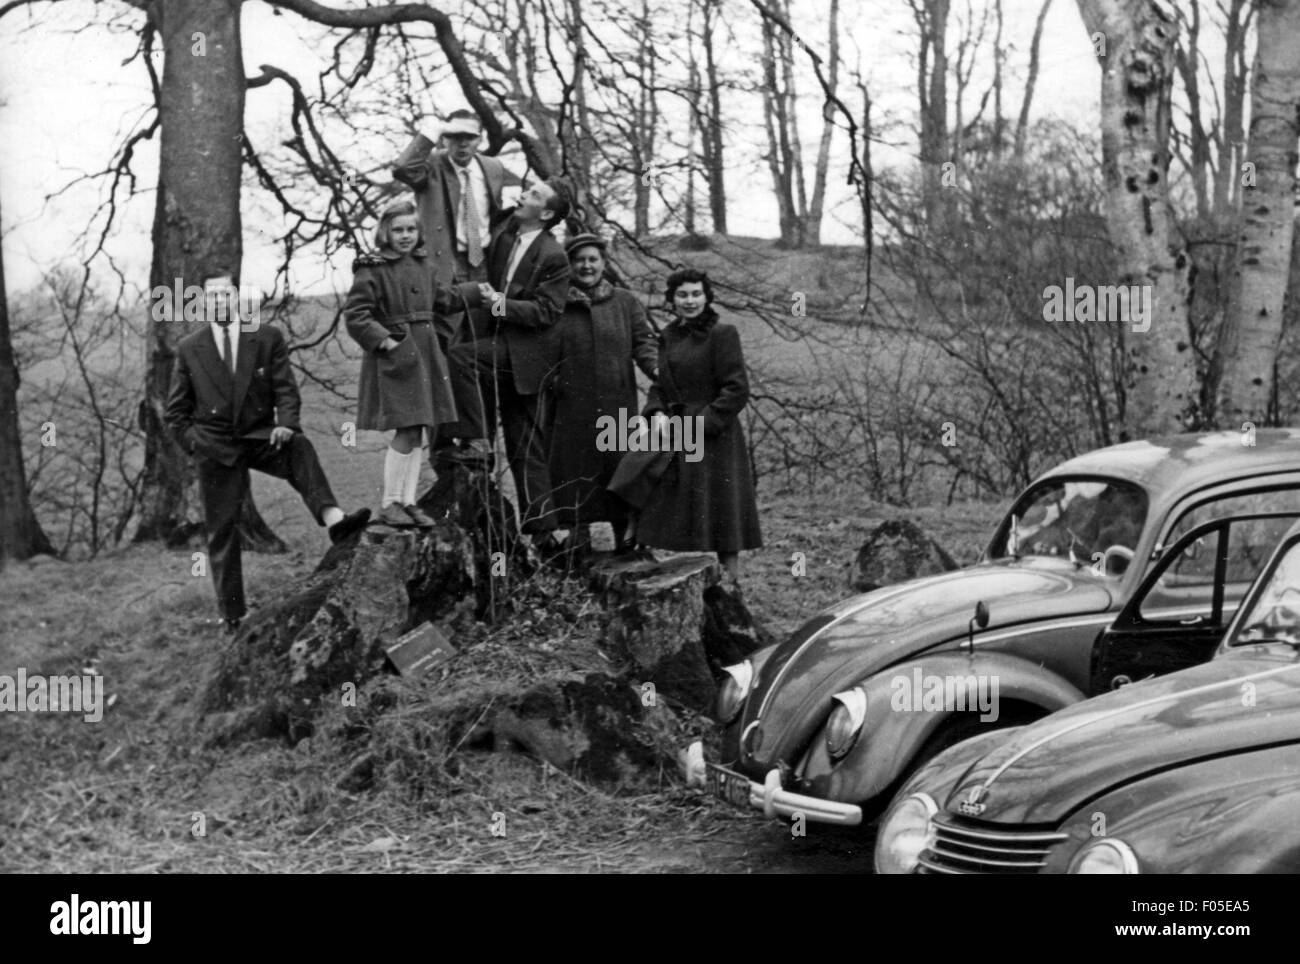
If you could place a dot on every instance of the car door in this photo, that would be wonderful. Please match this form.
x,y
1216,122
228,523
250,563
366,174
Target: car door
x,y
1180,610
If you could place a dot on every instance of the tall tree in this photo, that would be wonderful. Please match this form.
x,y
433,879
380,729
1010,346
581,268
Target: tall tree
x,y
931,18
1031,81
197,231
1135,43
1249,338
780,112
814,229
712,148
21,535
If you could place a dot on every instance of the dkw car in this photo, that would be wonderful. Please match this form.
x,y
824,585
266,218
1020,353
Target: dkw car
x,y
828,723
1197,771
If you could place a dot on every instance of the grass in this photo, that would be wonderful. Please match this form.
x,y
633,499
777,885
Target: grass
x,y
127,794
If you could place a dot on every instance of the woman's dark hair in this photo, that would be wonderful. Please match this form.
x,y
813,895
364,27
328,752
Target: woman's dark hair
x,y
688,276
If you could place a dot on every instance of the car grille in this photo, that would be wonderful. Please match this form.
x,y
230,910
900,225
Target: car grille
x,y
967,847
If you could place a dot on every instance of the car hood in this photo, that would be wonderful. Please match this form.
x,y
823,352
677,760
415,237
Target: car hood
x,y
1243,700
865,634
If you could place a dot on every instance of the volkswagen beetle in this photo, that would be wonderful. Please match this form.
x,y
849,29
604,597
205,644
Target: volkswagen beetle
x,y
827,724
1194,772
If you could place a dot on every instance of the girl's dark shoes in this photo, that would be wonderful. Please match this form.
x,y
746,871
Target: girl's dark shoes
x,y
395,515
417,515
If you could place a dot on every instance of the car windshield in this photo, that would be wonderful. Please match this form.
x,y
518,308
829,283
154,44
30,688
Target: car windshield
x,y
1077,519
1274,615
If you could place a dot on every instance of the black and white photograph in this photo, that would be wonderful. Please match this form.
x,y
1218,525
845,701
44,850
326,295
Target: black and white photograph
x,y
643,437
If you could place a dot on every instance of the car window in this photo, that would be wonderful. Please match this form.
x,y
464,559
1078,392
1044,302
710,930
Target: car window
x,y
1237,504
1275,613
1074,518
1185,588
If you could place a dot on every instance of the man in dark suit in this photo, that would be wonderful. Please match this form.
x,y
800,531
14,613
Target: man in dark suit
x,y
516,347
234,406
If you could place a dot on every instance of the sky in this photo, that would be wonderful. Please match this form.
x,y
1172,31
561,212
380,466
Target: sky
x,y
66,101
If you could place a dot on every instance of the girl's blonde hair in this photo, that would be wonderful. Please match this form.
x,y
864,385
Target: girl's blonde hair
x,y
396,209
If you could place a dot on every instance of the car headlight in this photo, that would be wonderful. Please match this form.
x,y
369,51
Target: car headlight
x,y
845,722
1105,857
906,831
734,691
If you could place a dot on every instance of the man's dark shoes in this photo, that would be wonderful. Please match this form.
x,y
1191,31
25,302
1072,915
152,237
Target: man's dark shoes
x,y
231,626
349,524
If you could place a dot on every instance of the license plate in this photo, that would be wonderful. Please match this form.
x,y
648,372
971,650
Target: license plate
x,y
725,785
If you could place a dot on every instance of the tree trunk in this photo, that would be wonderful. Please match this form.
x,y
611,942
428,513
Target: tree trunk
x,y
1022,122
21,536
932,81
1227,178
196,235
713,144
814,231
1187,59
1160,376
776,126
1252,330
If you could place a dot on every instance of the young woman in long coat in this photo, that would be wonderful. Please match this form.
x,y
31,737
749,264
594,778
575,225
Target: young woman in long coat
x,y
604,332
708,505
405,383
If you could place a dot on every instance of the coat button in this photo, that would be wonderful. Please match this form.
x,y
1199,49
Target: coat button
x,y
415,289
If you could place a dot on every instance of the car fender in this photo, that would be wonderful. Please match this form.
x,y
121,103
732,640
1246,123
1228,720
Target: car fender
x,y
893,732
1238,814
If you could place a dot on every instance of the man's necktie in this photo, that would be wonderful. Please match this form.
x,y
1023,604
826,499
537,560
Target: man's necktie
x,y
469,212
226,349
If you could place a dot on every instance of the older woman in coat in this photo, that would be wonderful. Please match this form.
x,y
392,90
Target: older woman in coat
x,y
707,504
604,332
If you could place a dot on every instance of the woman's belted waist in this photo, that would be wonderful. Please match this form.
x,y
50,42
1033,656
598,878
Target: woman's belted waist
x,y
413,318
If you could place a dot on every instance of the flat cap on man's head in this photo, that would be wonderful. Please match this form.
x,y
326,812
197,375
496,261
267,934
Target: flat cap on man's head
x,y
462,122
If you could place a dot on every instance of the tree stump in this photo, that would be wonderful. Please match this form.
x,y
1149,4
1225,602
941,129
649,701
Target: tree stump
x,y
605,678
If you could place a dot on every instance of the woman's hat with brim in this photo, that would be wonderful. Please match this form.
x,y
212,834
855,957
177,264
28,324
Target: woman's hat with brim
x,y
582,241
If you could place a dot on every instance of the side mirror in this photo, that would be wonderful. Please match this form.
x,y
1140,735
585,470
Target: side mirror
x,y
981,620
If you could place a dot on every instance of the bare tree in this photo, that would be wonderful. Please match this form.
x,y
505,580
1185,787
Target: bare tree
x,y
780,108
931,18
1031,81
713,146
814,228
1249,338
21,535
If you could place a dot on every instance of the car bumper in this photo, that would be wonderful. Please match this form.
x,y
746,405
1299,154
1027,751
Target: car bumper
x,y
775,801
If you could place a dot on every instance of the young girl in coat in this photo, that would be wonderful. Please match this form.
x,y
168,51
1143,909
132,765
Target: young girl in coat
x,y
405,385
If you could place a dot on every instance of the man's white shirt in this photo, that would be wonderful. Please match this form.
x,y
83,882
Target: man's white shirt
x,y
525,242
